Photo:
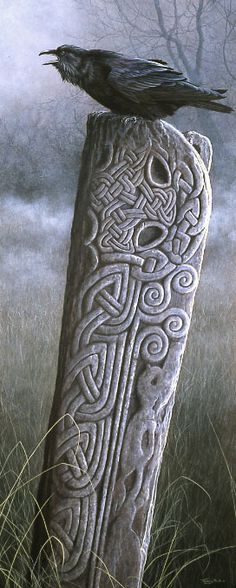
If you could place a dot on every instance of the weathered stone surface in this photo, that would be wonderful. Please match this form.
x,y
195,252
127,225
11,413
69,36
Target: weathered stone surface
x,y
138,237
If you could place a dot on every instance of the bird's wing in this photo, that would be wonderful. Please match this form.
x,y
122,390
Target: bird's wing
x,y
158,61
138,79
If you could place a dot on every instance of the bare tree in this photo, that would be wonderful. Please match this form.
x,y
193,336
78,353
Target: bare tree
x,y
229,15
195,36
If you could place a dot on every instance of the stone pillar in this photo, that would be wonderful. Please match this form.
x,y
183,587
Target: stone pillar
x,y
138,238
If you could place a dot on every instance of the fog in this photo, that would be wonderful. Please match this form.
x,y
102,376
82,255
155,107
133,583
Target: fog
x,y
43,121
29,27
35,237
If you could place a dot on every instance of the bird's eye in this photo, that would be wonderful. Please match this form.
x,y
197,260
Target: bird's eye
x,y
61,52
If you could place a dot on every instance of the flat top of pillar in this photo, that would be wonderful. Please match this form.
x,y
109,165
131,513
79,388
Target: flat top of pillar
x,y
134,127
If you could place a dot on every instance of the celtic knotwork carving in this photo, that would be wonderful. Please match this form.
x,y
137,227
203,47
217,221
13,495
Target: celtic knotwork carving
x,y
73,521
145,210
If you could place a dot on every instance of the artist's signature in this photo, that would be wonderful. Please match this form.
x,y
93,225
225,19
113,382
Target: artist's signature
x,y
207,581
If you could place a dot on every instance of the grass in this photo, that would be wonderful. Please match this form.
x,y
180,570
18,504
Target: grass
x,y
15,510
194,530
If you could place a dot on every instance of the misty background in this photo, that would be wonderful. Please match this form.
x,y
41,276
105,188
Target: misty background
x,y
42,130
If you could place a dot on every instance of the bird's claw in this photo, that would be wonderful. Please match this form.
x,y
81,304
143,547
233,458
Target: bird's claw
x,y
129,119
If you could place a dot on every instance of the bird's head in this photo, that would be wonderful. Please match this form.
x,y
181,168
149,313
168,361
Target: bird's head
x,y
67,61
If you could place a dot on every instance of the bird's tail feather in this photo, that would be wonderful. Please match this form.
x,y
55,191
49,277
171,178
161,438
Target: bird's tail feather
x,y
218,107
220,90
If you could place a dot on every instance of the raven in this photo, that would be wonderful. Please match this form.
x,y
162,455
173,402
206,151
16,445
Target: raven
x,y
136,87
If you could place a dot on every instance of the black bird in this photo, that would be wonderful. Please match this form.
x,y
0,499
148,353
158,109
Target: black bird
x,y
136,87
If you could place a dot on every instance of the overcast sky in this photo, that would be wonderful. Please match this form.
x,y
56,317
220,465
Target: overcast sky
x,y
28,27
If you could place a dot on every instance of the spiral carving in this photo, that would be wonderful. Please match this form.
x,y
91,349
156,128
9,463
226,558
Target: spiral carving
x,y
153,298
185,280
153,346
176,323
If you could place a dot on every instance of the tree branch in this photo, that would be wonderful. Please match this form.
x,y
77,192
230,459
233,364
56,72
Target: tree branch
x,y
171,39
199,53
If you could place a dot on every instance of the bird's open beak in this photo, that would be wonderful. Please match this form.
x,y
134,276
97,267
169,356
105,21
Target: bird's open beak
x,y
50,52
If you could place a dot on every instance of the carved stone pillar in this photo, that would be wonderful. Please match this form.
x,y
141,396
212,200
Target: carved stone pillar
x,y
138,238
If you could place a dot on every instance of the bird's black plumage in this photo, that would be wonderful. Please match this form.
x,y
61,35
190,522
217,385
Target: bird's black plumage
x,y
137,87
